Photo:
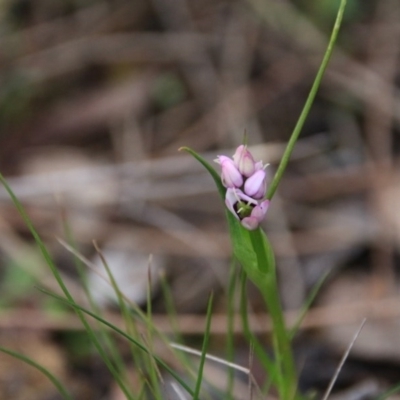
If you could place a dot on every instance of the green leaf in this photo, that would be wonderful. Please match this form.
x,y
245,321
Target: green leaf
x,y
241,242
252,249
215,175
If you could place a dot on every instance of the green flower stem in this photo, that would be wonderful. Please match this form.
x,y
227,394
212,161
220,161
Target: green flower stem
x,y
268,286
307,106
281,340
259,350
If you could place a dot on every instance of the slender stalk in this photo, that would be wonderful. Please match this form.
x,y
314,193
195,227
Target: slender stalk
x,y
307,106
230,340
104,337
60,387
281,340
259,350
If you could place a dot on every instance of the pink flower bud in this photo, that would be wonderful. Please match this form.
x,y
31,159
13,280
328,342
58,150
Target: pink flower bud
x,y
245,181
250,223
236,201
230,176
257,215
255,186
244,161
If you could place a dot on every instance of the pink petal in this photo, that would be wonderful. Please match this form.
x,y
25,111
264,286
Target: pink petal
x,y
230,175
244,161
250,223
255,185
230,201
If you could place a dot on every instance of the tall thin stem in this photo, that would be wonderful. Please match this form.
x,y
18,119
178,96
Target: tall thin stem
x,y
268,286
307,106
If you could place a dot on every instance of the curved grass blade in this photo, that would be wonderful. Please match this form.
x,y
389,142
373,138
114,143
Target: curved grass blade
x,y
60,387
343,360
46,255
204,349
391,391
122,333
310,299
103,336
138,313
49,260
230,342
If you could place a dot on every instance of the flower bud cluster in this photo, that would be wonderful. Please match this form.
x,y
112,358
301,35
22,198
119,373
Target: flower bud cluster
x,y
246,185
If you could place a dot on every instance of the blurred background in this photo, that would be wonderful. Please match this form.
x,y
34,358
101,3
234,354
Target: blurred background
x,y
97,96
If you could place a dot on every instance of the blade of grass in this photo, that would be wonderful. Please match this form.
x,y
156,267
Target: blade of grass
x,y
343,360
230,349
60,387
154,372
148,362
104,336
204,349
218,360
79,266
138,313
155,375
142,391
308,104
251,361
186,362
170,309
126,315
46,255
310,299
38,240
120,332
393,390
